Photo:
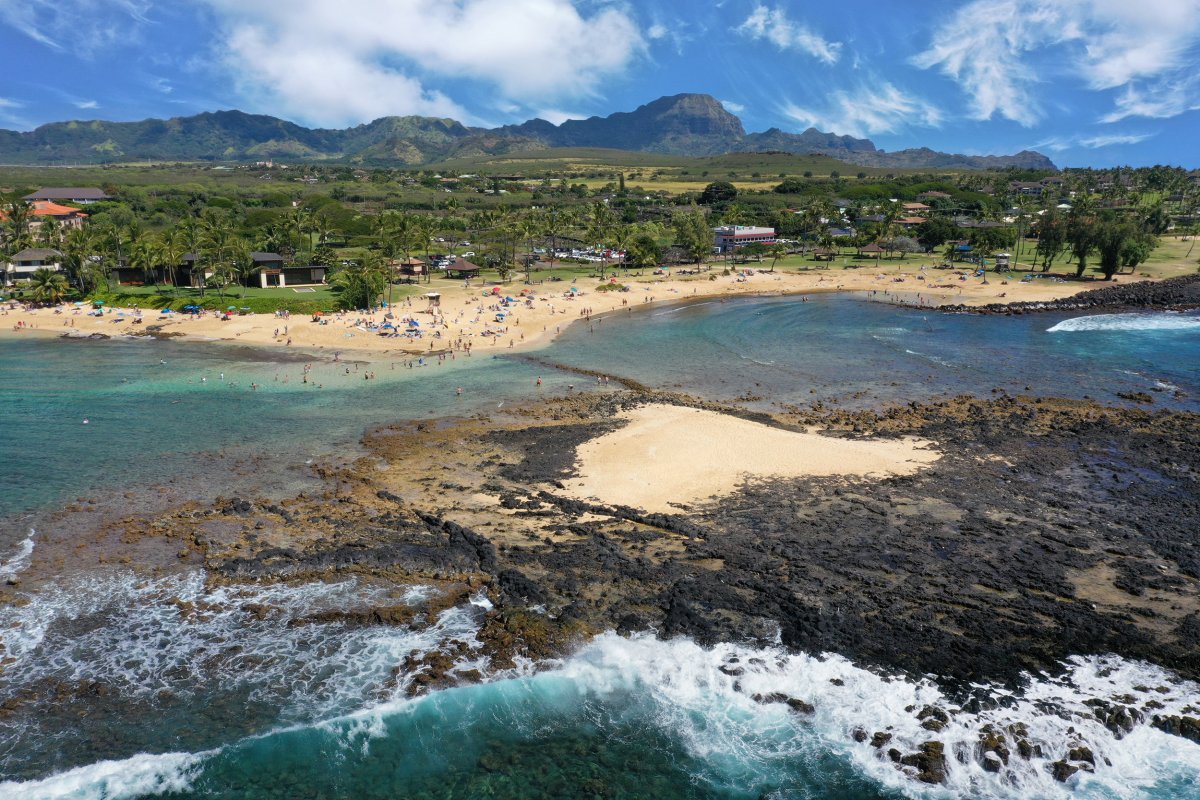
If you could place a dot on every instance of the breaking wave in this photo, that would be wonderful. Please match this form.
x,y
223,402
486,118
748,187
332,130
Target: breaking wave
x,y
728,722
1165,321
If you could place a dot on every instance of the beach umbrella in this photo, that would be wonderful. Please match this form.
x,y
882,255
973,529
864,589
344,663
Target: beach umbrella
x,y
232,308
245,308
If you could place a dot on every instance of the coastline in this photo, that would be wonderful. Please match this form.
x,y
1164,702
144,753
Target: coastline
x,y
469,318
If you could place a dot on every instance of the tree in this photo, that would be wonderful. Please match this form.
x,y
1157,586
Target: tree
x,y
791,186
362,282
777,250
692,233
935,232
1051,232
16,217
902,245
48,286
142,256
643,252
1081,238
736,214
755,250
718,192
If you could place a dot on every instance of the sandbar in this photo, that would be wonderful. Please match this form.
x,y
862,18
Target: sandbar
x,y
668,454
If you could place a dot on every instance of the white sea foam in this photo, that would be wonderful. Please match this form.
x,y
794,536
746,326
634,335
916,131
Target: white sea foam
x,y
142,637
744,743
935,359
1163,321
138,776
17,563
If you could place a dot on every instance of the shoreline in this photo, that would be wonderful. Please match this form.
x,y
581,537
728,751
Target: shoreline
x,y
540,321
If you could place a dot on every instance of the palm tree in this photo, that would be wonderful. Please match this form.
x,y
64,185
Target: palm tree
x,y
301,221
170,252
17,217
777,251
241,263
50,232
143,255
48,286
78,249
362,282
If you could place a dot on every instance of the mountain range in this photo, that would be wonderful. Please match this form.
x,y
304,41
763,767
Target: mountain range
x,y
683,124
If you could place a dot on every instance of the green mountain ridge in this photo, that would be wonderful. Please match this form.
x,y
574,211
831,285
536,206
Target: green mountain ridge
x,y
684,124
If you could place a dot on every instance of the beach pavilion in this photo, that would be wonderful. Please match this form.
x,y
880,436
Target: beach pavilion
x,y
871,250
460,268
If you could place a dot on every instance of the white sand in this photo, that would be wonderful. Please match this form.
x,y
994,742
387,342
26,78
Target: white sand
x,y
668,454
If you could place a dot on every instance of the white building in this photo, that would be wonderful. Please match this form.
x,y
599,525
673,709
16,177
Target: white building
x,y
733,237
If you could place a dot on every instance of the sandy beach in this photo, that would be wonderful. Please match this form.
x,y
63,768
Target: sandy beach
x,y
647,463
467,318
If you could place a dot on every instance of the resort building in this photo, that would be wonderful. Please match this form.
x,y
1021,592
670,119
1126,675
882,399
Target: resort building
x,y
23,264
733,237
79,195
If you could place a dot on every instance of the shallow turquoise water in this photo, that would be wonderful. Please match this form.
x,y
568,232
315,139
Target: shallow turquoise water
x,y
231,706
834,348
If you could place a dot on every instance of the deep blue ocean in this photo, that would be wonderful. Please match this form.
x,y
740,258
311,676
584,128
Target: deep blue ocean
x,y
226,704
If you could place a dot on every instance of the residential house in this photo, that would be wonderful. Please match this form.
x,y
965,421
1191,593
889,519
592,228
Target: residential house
x,y
915,209
1027,188
23,264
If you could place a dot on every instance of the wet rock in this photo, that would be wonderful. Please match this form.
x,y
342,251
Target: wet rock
x,y
933,718
993,741
859,735
1062,771
1187,727
992,762
800,706
929,761
880,739
1081,753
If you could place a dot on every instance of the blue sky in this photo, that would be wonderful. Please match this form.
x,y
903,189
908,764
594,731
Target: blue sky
x,y
1088,82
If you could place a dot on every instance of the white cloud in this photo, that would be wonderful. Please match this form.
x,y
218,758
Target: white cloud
x,y
86,104
84,27
732,107
1060,143
875,108
657,31
354,60
999,51
6,103
774,25
1169,98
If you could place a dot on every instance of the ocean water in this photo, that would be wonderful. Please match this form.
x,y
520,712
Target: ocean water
x,y
852,352
84,415
117,686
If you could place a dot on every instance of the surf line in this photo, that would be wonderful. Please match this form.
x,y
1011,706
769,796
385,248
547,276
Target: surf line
x,y
628,383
